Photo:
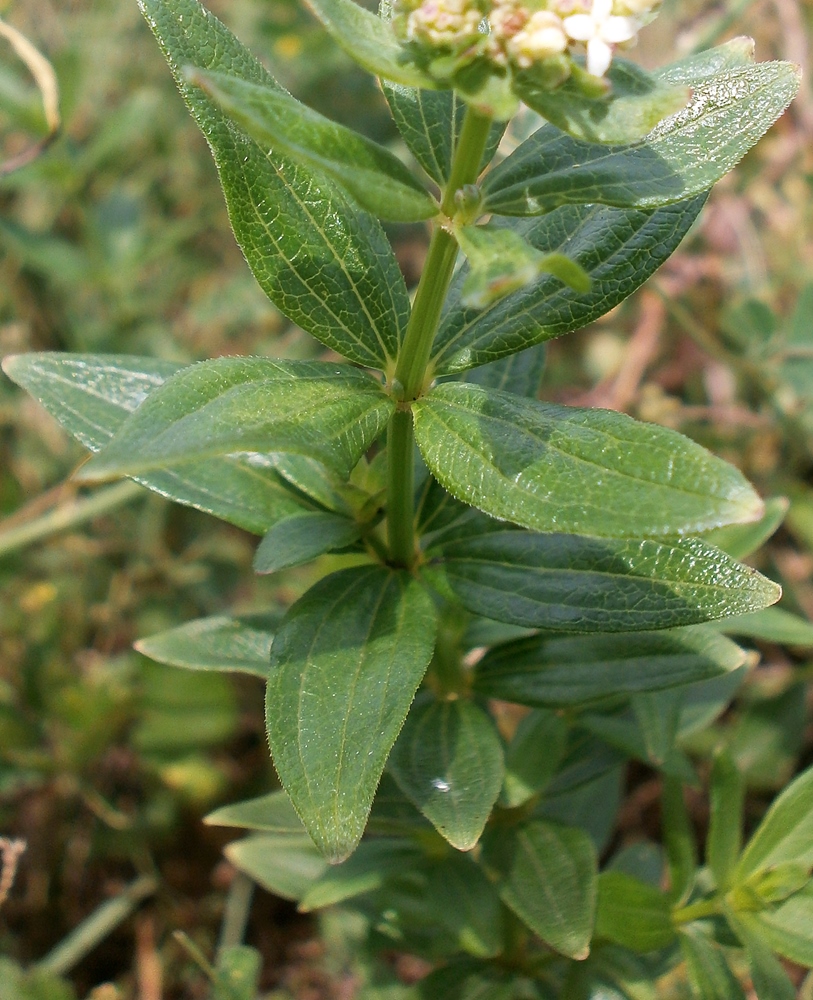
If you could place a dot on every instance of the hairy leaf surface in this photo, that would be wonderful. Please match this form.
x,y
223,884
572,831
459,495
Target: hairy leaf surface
x,y
298,539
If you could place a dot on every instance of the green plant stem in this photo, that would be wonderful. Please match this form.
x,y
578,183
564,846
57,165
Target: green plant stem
x,y
696,911
413,357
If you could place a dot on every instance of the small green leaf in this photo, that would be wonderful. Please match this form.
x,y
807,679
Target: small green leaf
x,y
326,266
632,913
373,862
376,179
576,670
298,539
786,929
727,802
468,980
557,468
237,976
345,665
785,833
770,625
501,262
92,396
772,885
533,756
241,644
519,373
575,583
272,813
548,878
709,973
633,106
475,920
683,156
657,714
332,412
449,761
770,980
742,540
617,248
286,865
370,41
679,840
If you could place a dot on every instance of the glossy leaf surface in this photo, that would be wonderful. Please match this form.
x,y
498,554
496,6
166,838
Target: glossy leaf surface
x,y
332,412
632,913
617,248
241,644
326,266
681,157
449,761
564,469
548,878
345,665
376,179
298,539
576,670
573,583
92,396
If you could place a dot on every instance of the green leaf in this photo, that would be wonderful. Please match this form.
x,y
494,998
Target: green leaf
x,y
533,756
449,761
237,976
345,665
617,248
92,396
657,714
367,870
770,625
298,539
467,980
564,469
682,157
742,540
736,52
286,865
548,878
370,41
705,701
318,483
332,412
475,920
241,644
272,813
325,265
369,173
430,122
622,730
501,262
785,833
574,583
519,373
679,840
786,929
576,670
593,799
770,980
633,106
709,973
727,803
632,913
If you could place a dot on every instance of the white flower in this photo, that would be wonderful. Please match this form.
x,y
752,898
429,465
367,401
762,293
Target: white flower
x,y
542,36
600,30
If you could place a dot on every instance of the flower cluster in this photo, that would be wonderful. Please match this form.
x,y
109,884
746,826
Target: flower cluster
x,y
520,34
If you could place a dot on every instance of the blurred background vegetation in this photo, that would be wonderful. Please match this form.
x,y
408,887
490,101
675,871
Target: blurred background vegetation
x,y
116,240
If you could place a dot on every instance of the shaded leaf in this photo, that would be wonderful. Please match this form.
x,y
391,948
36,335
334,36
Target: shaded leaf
x,y
286,865
272,813
533,756
449,761
785,833
519,373
298,539
345,665
475,920
771,625
632,913
92,396
331,412
237,976
786,929
557,468
727,803
770,980
241,644
709,974
373,862
742,540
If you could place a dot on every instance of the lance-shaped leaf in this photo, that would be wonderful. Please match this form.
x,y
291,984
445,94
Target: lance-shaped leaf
x,y
771,625
376,179
332,412
501,261
520,373
272,813
548,876
742,540
241,644
785,833
558,468
449,761
345,665
786,929
682,156
298,539
92,396
574,583
430,122
324,264
576,670
370,41
633,105
770,980
368,869
708,971
617,248
286,865
727,802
